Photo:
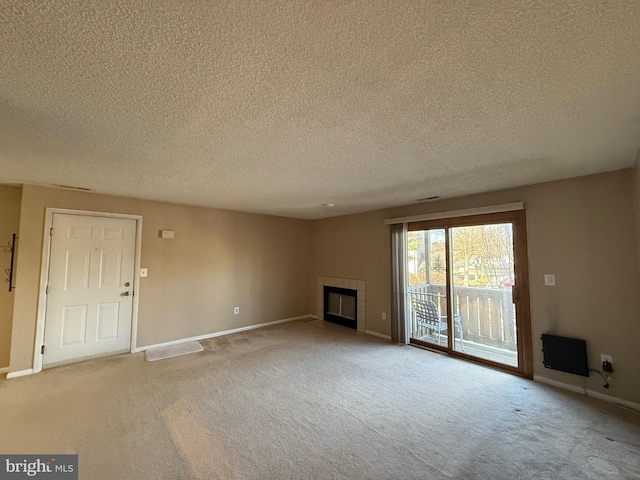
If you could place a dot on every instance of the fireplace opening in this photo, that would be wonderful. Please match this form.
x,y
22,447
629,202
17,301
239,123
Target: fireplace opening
x,y
341,306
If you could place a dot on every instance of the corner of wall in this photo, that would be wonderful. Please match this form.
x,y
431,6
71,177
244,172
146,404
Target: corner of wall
x,y
11,200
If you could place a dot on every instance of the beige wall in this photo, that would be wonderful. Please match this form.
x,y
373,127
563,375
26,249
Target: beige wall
x,y
9,223
218,259
581,229
636,196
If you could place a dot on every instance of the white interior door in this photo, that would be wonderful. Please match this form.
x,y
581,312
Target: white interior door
x,y
90,287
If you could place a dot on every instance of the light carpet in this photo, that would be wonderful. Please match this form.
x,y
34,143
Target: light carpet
x,y
170,351
313,400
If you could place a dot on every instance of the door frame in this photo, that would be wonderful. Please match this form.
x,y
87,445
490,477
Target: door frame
x,y
44,276
520,293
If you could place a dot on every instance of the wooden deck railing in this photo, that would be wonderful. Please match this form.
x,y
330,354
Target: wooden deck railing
x,y
487,316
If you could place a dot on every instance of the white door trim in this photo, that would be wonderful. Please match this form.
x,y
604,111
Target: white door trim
x,y
44,277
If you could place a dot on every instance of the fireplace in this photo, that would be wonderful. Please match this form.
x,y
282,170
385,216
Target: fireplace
x,y
348,284
341,306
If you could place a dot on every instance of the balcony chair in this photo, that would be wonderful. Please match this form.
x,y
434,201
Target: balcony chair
x,y
428,316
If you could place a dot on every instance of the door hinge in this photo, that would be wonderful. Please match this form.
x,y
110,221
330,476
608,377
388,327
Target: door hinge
x,y
42,350
46,290
51,232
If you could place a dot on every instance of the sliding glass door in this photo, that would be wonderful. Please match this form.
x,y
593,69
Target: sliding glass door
x,y
467,288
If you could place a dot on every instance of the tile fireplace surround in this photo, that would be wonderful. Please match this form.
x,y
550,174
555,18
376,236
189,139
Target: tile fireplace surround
x,y
350,283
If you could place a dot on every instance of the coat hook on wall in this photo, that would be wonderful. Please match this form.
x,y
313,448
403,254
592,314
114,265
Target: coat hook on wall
x,y
10,272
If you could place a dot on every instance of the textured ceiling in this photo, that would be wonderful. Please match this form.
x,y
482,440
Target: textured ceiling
x,y
280,106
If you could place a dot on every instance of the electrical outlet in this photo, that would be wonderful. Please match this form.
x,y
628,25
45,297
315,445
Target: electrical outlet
x,y
549,279
384,316
236,310
607,363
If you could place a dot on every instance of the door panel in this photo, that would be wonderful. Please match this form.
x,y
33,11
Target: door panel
x,y
427,286
108,316
74,325
112,233
110,264
483,276
80,232
76,270
91,260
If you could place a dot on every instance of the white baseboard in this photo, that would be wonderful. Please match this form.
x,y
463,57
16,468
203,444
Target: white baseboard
x,y
19,373
376,334
4,370
587,392
610,399
220,334
555,383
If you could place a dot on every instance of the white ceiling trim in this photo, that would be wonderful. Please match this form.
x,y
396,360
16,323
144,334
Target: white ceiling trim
x,y
505,207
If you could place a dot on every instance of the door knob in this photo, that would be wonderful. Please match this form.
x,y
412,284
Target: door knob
x,y
125,294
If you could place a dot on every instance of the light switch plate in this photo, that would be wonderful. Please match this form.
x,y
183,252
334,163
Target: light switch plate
x,y
549,279
143,272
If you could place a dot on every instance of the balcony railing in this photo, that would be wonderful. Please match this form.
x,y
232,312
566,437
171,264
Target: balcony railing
x,y
487,316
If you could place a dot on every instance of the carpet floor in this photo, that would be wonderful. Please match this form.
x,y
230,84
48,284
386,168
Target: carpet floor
x,y
313,400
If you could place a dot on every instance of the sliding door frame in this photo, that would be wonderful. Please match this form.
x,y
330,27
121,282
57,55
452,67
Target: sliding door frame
x,y
520,291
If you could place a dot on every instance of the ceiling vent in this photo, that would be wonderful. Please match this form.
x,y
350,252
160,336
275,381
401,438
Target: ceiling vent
x,y
69,187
